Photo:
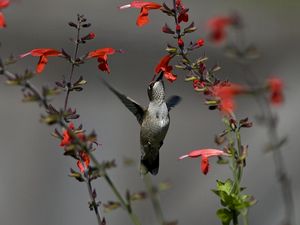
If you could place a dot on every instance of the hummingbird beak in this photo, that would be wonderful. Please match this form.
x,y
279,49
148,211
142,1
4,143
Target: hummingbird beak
x,y
160,76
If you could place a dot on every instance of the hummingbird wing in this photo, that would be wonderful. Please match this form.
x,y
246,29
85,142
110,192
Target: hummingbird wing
x,y
130,104
173,101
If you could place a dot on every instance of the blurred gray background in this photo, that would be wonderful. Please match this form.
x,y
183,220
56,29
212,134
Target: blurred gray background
x,y
35,188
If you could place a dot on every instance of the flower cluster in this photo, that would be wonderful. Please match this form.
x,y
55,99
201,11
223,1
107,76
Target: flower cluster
x,y
70,142
101,54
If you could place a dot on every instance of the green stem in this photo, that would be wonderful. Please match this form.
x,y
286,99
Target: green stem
x,y
245,219
153,194
238,163
133,217
235,218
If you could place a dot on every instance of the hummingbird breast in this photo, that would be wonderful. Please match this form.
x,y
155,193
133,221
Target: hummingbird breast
x,y
154,126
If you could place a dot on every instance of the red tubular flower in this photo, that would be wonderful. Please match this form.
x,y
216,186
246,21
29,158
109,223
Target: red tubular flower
x,y
276,87
163,65
198,85
2,20
217,26
84,162
43,53
3,4
180,42
205,154
92,35
144,13
102,56
183,16
67,139
200,43
226,94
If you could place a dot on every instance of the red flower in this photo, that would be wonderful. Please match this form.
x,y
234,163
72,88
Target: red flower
x,y
3,4
198,85
205,154
102,56
226,94
84,162
180,42
43,53
276,87
200,43
2,20
145,7
163,65
183,16
67,139
217,26
91,35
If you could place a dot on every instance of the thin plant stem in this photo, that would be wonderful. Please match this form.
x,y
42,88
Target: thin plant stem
x,y
93,202
44,102
73,65
125,205
153,194
280,168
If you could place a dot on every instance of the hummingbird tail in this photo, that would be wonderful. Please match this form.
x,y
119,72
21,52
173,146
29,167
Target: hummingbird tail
x,y
150,164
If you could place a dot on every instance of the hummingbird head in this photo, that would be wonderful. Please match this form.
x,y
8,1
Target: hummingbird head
x,y
156,89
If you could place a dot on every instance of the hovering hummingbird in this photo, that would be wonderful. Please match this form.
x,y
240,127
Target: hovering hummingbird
x,y
154,122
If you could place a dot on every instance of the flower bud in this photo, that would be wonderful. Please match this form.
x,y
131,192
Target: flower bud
x,y
180,42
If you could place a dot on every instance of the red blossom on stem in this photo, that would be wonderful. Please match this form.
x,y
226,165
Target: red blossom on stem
x,y
200,43
205,154
102,56
180,42
43,53
183,16
217,26
84,162
225,94
143,18
3,4
276,88
163,66
67,139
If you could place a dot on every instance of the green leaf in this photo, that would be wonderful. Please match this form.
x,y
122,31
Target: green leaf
x,y
163,186
138,196
225,216
110,206
226,187
76,175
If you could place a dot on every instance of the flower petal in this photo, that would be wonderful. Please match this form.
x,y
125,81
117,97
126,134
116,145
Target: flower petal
x,y
42,51
41,64
163,63
4,3
80,166
101,52
2,20
276,88
204,165
143,17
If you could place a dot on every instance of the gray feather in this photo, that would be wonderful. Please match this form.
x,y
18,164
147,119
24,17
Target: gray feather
x,y
173,101
130,104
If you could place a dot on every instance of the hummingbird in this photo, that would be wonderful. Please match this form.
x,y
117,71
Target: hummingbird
x,y
154,121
